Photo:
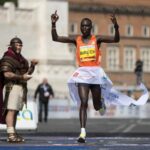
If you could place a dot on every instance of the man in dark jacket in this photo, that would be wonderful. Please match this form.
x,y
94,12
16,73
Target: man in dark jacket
x,y
45,92
139,71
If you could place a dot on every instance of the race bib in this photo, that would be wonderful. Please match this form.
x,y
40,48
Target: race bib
x,y
87,53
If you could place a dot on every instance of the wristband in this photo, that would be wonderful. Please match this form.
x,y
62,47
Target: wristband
x,y
53,25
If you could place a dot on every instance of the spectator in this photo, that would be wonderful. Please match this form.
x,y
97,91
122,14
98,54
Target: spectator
x,y
139,71
45,92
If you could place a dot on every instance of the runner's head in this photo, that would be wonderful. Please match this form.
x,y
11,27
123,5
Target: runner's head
x,y
86,26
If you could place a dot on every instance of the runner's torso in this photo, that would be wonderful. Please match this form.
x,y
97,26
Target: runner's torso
x,y
87,54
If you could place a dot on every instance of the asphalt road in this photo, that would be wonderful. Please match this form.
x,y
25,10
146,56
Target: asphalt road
x,y
96,127
102,134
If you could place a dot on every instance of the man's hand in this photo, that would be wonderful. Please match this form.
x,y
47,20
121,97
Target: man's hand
x,y
26,77
34,62
54,17
113,19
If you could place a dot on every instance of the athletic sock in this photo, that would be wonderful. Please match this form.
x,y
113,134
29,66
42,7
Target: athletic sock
x,y
83,132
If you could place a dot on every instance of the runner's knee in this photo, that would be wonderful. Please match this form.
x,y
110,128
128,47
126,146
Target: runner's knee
x,y
84,105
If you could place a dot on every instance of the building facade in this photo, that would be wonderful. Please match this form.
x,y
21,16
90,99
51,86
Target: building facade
x,y
32,23
133,17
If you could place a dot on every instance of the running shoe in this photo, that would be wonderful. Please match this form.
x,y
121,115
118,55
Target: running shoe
x,y
81,138
102,109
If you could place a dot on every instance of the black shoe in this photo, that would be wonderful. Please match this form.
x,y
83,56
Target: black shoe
x,y
81,138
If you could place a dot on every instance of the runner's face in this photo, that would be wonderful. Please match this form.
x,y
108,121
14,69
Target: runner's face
x,y
17,47
86,27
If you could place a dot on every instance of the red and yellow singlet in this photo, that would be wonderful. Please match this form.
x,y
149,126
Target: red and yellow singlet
x,y
87,54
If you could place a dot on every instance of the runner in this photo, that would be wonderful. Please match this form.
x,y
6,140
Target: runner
x,y
88,56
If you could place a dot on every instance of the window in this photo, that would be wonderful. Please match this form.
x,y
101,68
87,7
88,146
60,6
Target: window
x,y
145,57
113,58
145,31
129,30
111,29
94,29
72,28
129,59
